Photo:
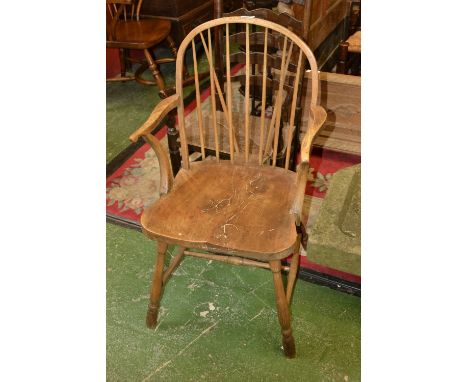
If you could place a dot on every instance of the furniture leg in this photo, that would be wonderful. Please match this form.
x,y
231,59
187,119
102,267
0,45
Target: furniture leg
x,y
342,58
284,318
292,275
123,63
173,47
173,142
177,259
156,286
156,73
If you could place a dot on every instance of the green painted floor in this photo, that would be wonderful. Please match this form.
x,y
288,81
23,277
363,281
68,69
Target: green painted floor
x,y
217,322
127,107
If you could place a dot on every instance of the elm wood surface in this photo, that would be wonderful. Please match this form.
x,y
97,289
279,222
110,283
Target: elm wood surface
x,y
244,210
243,207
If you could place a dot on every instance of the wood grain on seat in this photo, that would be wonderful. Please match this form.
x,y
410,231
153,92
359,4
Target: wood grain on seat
x,y
141,34
245,209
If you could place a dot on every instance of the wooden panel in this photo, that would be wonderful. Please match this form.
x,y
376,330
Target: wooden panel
x,y
331,15
316,10
184,15
169,8
196,17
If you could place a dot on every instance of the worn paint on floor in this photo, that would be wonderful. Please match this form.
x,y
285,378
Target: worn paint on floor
x,y
218,323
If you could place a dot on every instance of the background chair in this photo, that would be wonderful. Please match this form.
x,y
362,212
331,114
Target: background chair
x,y
349,51
125,30
243,210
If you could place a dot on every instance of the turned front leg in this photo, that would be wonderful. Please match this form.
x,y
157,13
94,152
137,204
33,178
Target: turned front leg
x,y
283,310
156,286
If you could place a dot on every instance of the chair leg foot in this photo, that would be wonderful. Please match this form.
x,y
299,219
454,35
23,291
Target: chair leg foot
x,y
156,286
284,317
289,345
152,316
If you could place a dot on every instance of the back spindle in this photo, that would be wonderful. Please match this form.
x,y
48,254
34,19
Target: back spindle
x,y
213,92
229,96
262,116
198,99
292,111
247,92
279,95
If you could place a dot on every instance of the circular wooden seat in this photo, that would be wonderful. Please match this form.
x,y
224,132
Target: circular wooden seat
x,y
142,34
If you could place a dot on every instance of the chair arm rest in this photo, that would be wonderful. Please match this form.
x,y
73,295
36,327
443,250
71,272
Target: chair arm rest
x,y
155,118
317,116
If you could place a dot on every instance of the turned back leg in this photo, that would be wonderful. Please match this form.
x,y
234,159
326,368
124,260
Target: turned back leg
x,y
292,275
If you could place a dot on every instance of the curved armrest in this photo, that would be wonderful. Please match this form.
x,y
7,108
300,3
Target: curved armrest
x,y
317,115
155,118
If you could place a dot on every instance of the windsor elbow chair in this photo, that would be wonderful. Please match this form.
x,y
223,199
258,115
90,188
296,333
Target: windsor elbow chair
x,y
243,210
125,30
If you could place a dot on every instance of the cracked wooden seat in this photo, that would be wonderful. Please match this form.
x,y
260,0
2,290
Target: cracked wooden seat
x,y
245,210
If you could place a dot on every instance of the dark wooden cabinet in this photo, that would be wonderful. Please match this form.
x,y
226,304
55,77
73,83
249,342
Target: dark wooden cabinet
x,y
184,14
253,4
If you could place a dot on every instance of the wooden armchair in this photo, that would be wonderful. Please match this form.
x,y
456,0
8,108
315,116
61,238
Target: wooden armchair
x,y
125,30
243,210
